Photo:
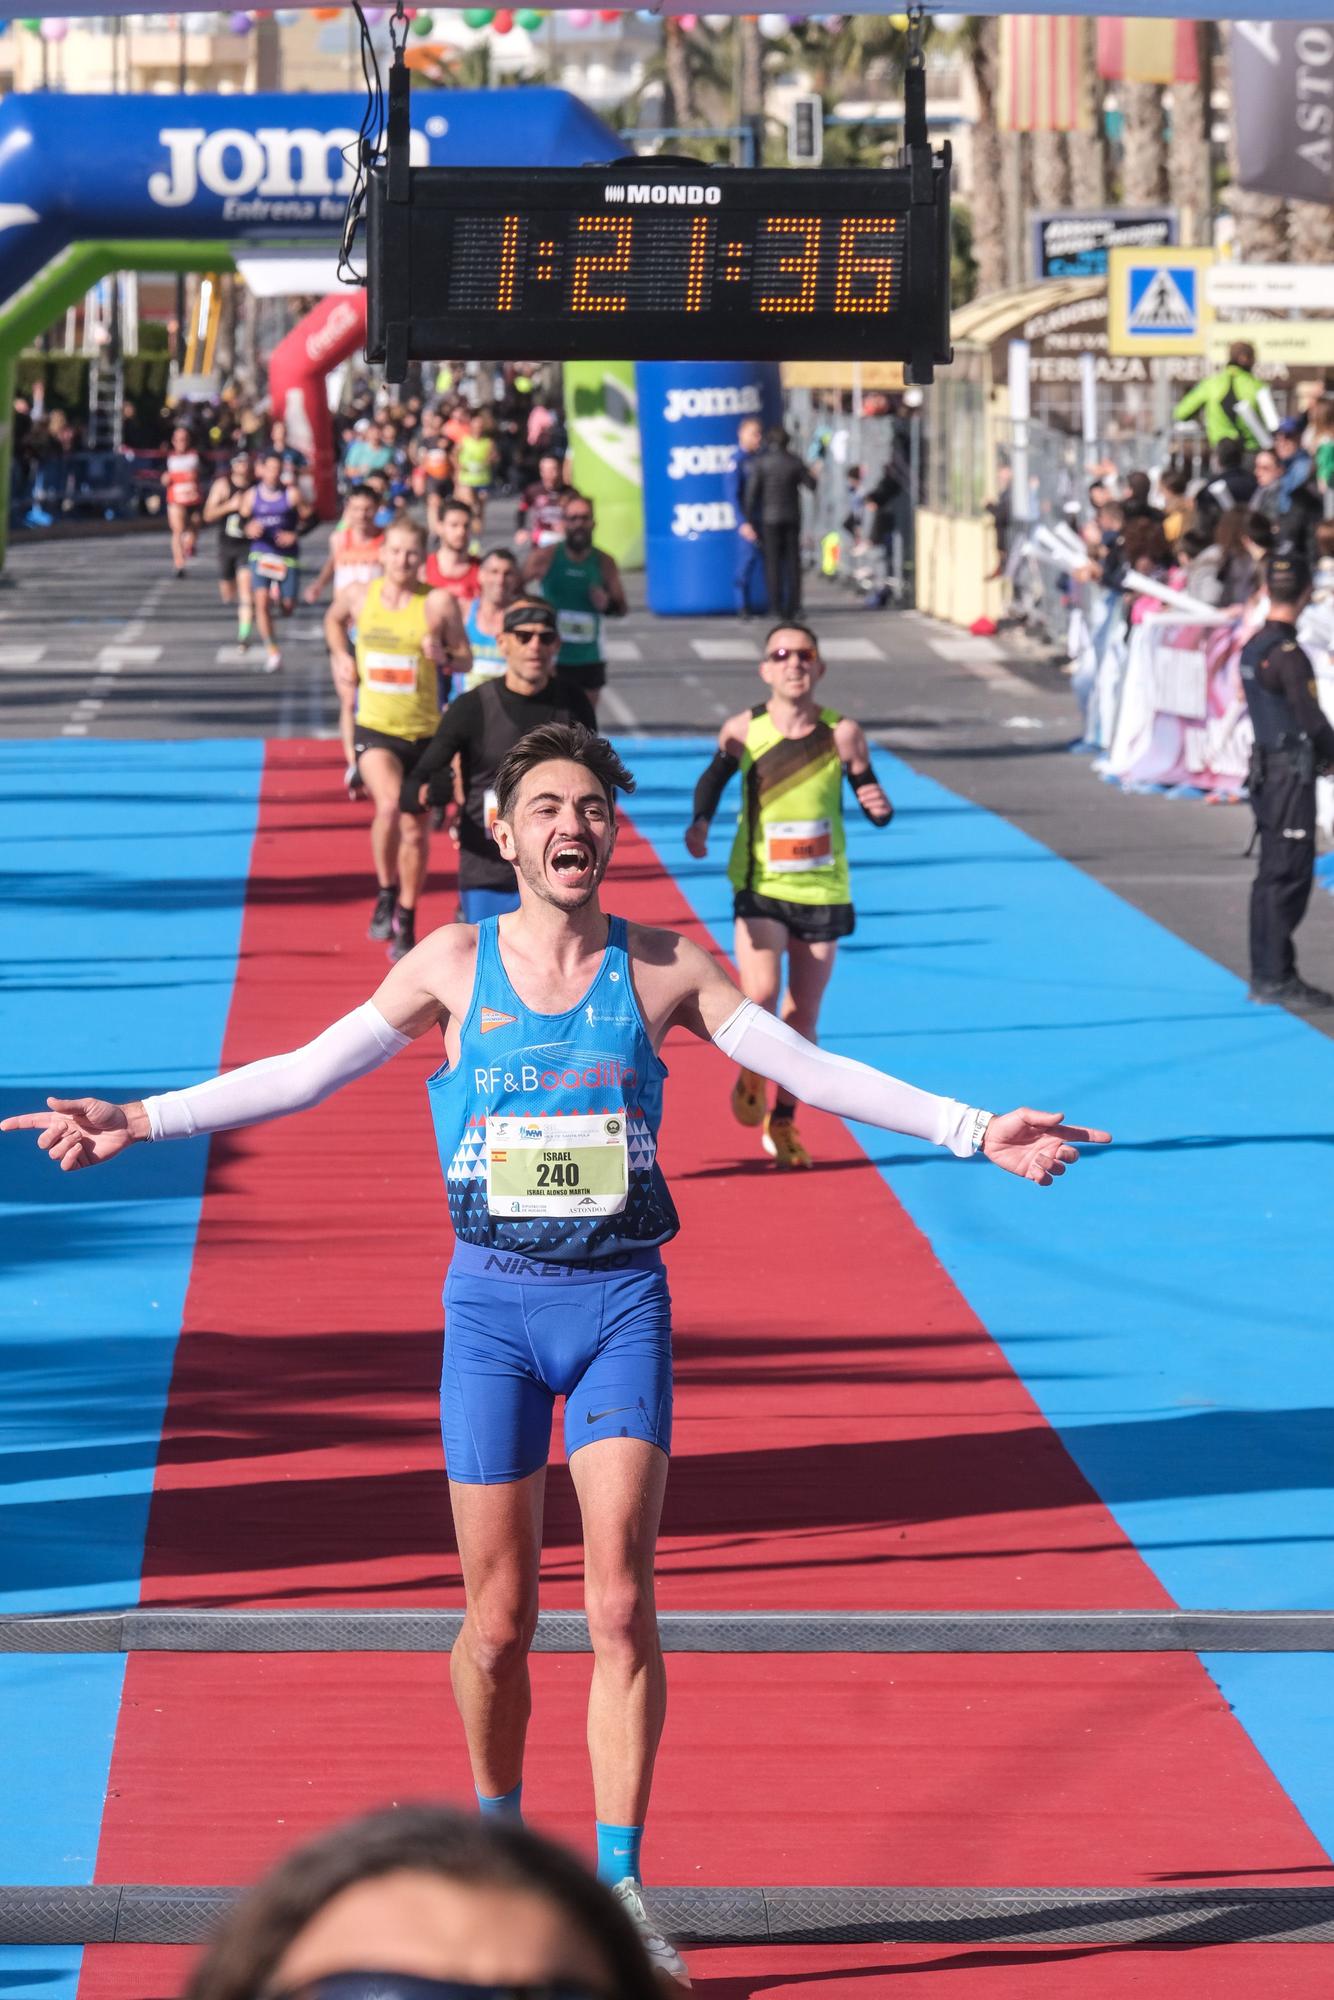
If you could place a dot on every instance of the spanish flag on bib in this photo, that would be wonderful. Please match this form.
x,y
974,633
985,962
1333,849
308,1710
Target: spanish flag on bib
x,y
1044,67
1148,51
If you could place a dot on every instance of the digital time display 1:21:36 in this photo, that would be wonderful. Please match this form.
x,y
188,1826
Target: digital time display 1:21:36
x,y
631,261
674,263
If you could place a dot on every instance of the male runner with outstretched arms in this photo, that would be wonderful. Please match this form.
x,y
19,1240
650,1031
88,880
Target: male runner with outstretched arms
x,y
789,865
546,1108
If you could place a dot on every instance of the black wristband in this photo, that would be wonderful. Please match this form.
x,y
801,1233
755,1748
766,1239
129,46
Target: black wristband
x,y
712,784
862,781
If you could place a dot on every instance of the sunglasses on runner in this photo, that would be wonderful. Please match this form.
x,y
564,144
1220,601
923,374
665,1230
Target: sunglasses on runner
x,y
805,656
403,1986
528,634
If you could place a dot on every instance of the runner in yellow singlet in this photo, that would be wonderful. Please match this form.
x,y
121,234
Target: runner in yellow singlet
x,y
404,633
789,865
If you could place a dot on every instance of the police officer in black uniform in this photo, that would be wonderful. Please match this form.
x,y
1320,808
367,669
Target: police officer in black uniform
x,y
1293,741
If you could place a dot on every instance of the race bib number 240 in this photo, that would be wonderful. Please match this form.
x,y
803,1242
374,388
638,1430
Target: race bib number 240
x,y
565,1165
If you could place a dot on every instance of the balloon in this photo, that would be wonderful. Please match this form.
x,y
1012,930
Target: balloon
x,y
33,27
949,22
529,19
477,17
239,23
374,15
773,25
54,31
688,23
579,17
899,21
609,14
423,25
504,21
287,17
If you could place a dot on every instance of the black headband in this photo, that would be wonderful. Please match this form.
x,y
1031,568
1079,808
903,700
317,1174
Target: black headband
x,y
520,615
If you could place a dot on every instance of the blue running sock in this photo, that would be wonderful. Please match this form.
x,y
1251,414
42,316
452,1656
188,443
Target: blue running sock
x,y
618,1852
509,1803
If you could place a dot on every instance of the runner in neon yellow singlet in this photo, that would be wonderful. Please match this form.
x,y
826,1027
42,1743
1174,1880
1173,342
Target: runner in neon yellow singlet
x,y
789,867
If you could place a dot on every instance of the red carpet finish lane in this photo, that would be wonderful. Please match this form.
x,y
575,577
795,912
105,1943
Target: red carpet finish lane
x,y
847,1437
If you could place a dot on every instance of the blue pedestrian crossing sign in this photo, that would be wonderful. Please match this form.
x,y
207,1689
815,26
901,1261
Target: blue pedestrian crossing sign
x,y
1163,301
1156,301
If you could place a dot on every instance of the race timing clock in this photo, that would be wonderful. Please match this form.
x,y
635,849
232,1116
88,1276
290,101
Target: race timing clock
x,y
653,260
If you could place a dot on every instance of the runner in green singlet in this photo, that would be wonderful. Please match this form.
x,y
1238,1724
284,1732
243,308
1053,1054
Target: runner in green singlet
x,y
474,466
583,586
789,865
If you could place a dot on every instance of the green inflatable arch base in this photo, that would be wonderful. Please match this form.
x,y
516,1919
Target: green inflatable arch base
x,y
60,285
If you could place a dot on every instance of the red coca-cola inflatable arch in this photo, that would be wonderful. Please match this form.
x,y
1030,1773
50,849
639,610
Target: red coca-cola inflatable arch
x,y
298,368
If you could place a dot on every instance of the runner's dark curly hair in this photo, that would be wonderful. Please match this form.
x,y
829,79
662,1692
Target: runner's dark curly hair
x,y
429,1840
566,743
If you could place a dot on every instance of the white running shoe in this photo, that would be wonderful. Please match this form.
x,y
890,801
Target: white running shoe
x,y
666,1959
273,660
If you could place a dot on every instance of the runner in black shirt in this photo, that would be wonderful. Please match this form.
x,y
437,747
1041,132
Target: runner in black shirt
x,y
480,729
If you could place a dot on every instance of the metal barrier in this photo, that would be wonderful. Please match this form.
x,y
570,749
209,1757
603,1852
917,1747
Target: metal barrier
x,y
148,1913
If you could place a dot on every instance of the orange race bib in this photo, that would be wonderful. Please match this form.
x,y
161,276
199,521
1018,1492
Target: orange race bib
x,y
795,846
390,673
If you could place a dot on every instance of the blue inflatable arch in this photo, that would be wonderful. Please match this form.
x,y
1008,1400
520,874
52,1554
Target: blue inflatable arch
x,y
267,168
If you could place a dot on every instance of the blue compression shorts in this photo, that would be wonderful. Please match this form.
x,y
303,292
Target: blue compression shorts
x,y
519,1333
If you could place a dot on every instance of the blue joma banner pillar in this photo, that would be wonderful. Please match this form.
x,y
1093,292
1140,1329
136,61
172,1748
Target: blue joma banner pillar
x,y
689,412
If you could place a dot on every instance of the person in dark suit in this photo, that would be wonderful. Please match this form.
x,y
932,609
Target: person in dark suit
x,y
772,506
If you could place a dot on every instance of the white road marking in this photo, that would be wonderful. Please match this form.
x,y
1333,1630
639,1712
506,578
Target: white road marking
x,y
982,658
725,649
965,648
850,649
234,656
129,656
620,711
21,656
75,729
621,649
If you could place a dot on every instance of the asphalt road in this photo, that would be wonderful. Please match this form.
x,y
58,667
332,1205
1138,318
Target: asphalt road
x,y
99,639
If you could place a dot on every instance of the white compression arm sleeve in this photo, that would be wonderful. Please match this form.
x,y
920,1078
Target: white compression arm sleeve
x,y
352,1047
757,1040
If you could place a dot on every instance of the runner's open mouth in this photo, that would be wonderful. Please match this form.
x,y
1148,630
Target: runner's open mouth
x,y
571,861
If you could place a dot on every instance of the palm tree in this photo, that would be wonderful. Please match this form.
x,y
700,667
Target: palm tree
x,y
1088,150
1262,219
1143,143
979,37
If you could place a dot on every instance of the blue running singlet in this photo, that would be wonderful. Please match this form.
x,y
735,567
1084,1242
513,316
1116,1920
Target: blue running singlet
x,y
547,1131
548,1128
